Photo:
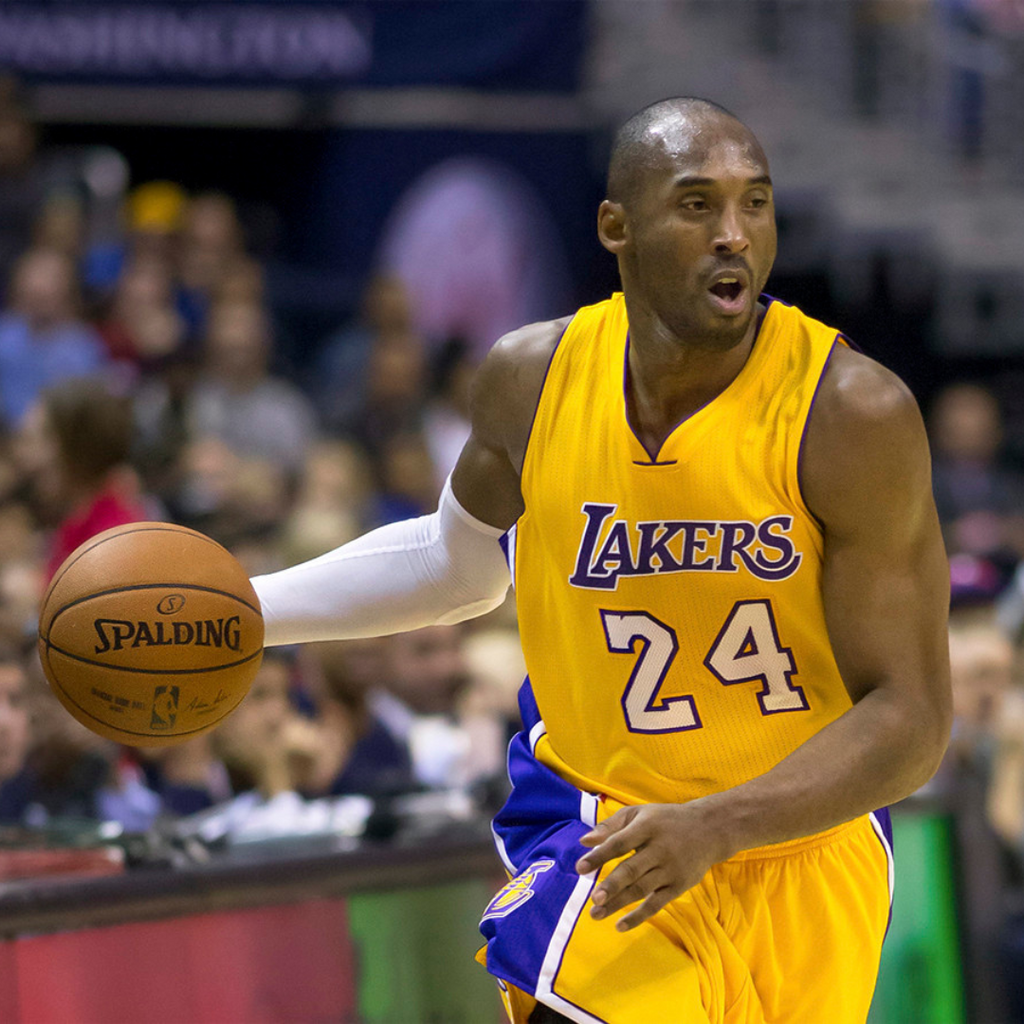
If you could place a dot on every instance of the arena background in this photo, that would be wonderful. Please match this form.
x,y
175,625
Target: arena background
x,y
345,204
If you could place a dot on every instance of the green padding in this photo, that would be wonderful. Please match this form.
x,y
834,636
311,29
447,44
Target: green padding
x,y
921,978
415,956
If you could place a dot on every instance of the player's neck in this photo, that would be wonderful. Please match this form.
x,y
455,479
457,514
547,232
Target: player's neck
x,y
668,380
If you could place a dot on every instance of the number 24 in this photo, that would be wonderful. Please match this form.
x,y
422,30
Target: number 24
x,y
747,649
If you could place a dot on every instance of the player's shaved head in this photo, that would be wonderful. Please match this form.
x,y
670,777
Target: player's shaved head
x,y
668,127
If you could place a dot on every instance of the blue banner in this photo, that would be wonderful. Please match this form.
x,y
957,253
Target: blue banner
x,y
476,43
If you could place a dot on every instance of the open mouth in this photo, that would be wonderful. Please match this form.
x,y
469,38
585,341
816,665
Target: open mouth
x,y
729,294
728,289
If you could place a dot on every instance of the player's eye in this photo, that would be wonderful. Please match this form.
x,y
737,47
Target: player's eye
x,y
694,203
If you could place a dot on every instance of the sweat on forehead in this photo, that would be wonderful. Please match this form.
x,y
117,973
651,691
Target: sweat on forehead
x,y
667,130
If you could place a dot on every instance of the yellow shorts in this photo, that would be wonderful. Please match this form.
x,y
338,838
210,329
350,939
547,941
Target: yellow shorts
x,y
787,934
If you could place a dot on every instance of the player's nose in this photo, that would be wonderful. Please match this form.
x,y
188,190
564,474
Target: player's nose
x,y
730,232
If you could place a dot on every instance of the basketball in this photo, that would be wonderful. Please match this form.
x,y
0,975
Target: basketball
x,y
150,634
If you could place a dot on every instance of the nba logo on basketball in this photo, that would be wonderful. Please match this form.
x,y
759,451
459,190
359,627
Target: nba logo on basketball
x,y
165,707
513,895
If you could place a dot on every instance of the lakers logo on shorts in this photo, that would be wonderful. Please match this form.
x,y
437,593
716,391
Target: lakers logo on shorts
x,y
513,895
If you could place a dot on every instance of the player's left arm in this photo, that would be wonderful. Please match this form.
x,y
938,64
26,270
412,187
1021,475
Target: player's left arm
x,y
866,476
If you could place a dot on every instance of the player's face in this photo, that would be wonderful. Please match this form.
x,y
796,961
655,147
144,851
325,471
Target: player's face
x,y
701,237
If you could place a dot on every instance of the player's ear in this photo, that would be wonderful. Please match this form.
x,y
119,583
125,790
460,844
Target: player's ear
x,y
611,226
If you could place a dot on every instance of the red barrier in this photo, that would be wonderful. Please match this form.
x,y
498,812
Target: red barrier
x,y
8,981
272,965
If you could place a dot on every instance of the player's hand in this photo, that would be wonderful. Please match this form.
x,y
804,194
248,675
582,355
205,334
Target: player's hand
x,y
674,848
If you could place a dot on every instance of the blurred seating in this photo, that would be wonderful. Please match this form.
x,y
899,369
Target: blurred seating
x,y
43,337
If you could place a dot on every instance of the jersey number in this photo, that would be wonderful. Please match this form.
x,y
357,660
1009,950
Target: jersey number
x,y
746,650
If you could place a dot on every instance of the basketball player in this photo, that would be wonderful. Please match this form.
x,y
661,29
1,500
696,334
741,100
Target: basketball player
x,y
732,596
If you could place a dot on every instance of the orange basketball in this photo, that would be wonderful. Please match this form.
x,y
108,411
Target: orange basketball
x,y
150,634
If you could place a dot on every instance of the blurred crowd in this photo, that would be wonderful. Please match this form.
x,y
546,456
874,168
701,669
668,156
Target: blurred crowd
x,y
141,378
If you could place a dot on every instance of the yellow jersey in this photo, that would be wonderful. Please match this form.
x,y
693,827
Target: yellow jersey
x,y
670,607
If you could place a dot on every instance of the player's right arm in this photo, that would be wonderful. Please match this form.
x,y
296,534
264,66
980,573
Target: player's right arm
x,y
505,395
437,569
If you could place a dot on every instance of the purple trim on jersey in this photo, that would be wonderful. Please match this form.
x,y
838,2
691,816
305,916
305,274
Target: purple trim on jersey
x,y
503,540
664,462
851,343
528,710
803,435
543,383
655,461
769,299
884,819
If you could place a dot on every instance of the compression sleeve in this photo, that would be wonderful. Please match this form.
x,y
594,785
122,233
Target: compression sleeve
x,y
441,568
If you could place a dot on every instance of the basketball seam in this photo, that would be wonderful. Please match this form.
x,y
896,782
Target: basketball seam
x,y
150,671
141,528
150,586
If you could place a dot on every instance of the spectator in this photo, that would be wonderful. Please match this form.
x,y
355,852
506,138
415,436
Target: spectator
x,y
408,481
161,426
237,400
360,754
209,249
22,578
60,226
980,501
208,470
981,663
42,337
187,777
494,657
265,744
446,420
154,212
1006,794
258,552
332,503
22,185
230,498
243,280
15,736
423,707
975,779
142,326
395,391
84,435
340,375
73,773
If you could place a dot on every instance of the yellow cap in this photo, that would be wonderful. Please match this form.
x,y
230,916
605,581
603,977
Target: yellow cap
x,y
156,206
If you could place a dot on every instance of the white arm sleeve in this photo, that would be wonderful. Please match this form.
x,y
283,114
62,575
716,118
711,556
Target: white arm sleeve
x,y
440,568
